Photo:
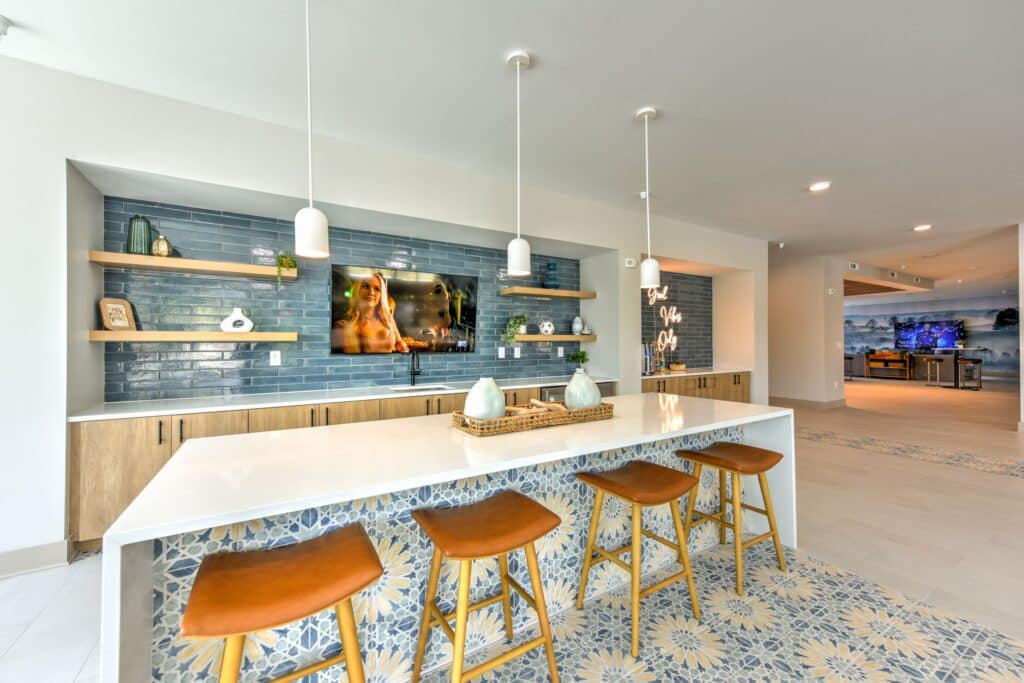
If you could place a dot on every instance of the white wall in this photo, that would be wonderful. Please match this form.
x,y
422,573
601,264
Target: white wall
x,y
805,330
53,116
735,322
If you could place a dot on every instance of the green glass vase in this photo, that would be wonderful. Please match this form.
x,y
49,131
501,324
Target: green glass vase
x,y
140,236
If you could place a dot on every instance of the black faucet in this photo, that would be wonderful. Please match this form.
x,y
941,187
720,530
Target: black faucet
x,y
414,367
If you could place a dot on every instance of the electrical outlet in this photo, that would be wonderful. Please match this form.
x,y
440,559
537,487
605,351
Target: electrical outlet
x,y
275,358
517,352
561,352
501,352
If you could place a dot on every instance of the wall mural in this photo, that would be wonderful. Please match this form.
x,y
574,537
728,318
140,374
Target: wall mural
x,y
991,323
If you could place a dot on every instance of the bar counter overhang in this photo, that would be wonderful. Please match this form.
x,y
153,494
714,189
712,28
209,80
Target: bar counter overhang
x,y
273,488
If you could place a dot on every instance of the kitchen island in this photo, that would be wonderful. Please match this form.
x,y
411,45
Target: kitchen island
x,y
276,488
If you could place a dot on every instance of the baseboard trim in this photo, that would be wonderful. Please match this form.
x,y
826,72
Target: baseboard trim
x,y
34,558
800,403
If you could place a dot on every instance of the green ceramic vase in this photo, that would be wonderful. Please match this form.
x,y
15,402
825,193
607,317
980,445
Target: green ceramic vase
x,y
139,236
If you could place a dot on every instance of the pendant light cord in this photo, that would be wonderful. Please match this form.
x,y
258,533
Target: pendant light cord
x,y
518,158
309,115
647,185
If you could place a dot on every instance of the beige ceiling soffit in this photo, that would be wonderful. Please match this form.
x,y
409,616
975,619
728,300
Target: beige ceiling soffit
x,y
892,280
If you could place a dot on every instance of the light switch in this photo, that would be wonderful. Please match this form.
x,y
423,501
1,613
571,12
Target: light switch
x,y
501,352
517,352
561,352
275,358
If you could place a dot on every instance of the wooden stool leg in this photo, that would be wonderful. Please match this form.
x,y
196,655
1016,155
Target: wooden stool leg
x,y
506,598
542,609
461,617
231,661
350,641
635,583
766,496
737,527
691,500
722,502
421,647
684,556
588,554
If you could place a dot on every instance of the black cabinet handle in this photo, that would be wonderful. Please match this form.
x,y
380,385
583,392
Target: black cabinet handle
x,y
438,407
312,417
181,430
428,406
327,415
159,432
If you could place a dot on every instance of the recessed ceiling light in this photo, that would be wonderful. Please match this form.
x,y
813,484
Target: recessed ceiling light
x,y
959,282
922,227
820,185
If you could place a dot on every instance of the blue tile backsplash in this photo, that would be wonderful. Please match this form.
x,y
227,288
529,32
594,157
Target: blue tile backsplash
x,y
691,295
168,301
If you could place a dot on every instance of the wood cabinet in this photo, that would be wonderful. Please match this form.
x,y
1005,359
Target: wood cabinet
x,y
288,417
198,425
415,406
727,386
521,397
734,386
348,411
111,462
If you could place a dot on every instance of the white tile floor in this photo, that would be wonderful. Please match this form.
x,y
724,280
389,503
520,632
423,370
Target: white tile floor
x,y
50,624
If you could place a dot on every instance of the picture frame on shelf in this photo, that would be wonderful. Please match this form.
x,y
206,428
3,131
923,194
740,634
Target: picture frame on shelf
x,y
117,314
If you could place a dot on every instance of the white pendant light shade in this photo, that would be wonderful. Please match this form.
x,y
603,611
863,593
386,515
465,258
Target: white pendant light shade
x,y
311,233
310,222
518,249
518,257
650,273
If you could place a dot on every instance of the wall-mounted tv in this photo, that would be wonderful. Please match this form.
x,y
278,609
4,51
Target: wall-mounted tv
x,y
376,310
928,335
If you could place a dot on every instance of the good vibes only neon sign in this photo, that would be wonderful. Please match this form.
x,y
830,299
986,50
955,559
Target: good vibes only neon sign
x,y
669,314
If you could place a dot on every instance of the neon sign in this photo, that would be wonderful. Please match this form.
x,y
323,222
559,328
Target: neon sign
x,y
669,315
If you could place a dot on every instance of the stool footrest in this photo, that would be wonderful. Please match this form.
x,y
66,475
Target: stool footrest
x,y
757,539
660,539
612,556
306,670
502,658
442,618
518,588
663,583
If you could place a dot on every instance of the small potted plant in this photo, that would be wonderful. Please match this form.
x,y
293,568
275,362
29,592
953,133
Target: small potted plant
x,y
515,325
284,260
579,357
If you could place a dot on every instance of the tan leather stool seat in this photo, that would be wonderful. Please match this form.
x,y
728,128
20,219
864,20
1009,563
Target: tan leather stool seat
x,y
642,482
737,457
493,526
242,592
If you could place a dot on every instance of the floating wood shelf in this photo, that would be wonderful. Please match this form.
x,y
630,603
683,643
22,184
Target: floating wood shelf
x,y
113,259
547,293
189,336
556,337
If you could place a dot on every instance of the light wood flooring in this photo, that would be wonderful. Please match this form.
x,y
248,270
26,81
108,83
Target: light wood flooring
x,y
943,533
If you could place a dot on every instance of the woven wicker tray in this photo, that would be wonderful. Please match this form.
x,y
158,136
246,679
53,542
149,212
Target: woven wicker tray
x,y
534,420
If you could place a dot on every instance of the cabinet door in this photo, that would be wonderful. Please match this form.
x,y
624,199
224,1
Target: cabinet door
x,y
111,462
650,386
289,417
689,386
672,385
446,403
410,406
521,397
197,425
349,411
743,393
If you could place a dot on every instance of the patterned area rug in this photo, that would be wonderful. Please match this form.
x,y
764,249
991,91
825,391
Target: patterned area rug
x,y
1007,465
816,622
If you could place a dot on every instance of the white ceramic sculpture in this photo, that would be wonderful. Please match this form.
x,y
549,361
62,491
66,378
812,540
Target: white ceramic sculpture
x,y
485,400
546,327
577,325
582,392
236,322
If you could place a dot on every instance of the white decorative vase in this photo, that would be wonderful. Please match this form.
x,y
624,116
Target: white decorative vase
x,y
485,400
577,325
582,392
236,322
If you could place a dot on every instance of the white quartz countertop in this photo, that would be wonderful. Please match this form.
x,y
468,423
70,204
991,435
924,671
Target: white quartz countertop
x,y
694,372
227,479
185,406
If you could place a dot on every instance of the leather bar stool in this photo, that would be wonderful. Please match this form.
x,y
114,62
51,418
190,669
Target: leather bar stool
x,y
492,527
931,363
970,371
641,484
238,593
736,459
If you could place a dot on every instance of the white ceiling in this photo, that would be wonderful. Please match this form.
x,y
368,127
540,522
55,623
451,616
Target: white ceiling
x,y
912,108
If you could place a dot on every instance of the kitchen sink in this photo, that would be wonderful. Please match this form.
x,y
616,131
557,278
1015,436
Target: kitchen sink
x,y
421,387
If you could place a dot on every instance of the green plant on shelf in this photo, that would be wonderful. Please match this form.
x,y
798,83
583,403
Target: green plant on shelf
x,y
508,336
579,357
284,260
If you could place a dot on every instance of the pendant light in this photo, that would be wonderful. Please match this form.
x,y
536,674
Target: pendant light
x,y
650,269
518,249
310,222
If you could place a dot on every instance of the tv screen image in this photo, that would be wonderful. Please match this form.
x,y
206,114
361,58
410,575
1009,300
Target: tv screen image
x,y
377,310
927,335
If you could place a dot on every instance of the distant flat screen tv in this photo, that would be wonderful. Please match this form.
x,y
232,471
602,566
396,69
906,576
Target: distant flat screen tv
x,y
929,335
376,310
